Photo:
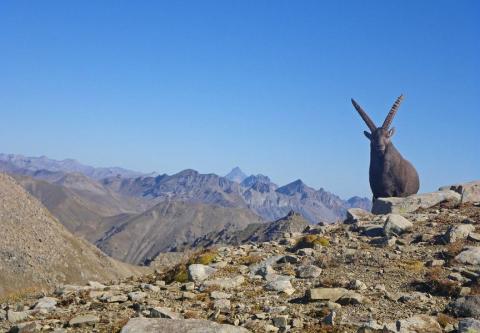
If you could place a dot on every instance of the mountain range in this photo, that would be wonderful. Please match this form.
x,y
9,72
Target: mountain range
x,y
134,216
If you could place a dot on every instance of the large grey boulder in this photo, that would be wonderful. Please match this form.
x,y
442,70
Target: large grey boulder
x,y
468,306
155,325
413,202
470,256
396,225
470,192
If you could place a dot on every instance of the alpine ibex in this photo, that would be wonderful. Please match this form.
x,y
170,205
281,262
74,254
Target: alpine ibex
x,y
390,174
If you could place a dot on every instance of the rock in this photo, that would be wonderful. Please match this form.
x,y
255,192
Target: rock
x,y
396,225
155,325
330,318
136,296
372,230
189,286
46,303
281,286
280,321
458,232
277,277
222,305
351,298
474,237
83,320
470,192
219,295
150,287
226,283
357,285
288,259
114,298
199,272
469,325
326,294
470,256
188,295
162,312
308,271
435,263
265,266
27,327
413,202
3,315
16,316
306,252
419,323
468,306
354,215
96,285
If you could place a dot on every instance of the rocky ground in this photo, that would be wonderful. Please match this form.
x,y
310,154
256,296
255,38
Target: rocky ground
x,y
414,270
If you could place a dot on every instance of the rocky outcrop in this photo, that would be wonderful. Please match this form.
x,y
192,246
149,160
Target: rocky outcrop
x,y
413,202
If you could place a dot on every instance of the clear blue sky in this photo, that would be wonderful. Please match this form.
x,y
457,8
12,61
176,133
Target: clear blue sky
x,y
265,85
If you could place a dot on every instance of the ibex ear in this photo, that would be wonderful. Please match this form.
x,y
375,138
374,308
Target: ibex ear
x,y
391,132
368,135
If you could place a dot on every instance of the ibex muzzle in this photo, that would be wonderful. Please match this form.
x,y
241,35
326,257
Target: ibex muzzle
x,y
390,174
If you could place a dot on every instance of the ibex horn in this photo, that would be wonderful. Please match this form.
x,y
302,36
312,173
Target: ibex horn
x,y
365,117
391,114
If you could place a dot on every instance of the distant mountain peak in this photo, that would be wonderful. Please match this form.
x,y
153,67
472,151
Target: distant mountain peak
x,y
236,175
297,186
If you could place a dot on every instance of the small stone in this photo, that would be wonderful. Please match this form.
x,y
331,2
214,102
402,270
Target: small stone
x,y
297,323
199,272
189,286
220,295
27,327
435,263
357,285
474,237
162,312
326,294
470,256
96,285
136,296
222,304
330,318
468,325
188,295
458,232
83,320
280,321
306,252
468,306
396,225
114,298
308,271
46,303
281,286
351,298
150,287
14,316
226,283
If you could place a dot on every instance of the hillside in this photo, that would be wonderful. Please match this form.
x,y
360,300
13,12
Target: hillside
x,y
168,226
37,251
413,269
81,204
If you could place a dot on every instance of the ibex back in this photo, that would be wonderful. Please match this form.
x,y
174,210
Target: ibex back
x,y
390,174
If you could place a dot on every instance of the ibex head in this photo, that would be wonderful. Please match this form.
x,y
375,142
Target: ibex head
x,y
379,136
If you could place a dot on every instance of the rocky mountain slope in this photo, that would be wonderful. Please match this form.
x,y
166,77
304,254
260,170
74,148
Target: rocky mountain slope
x,y
170,225
413,269
81,204
37,251
236,175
